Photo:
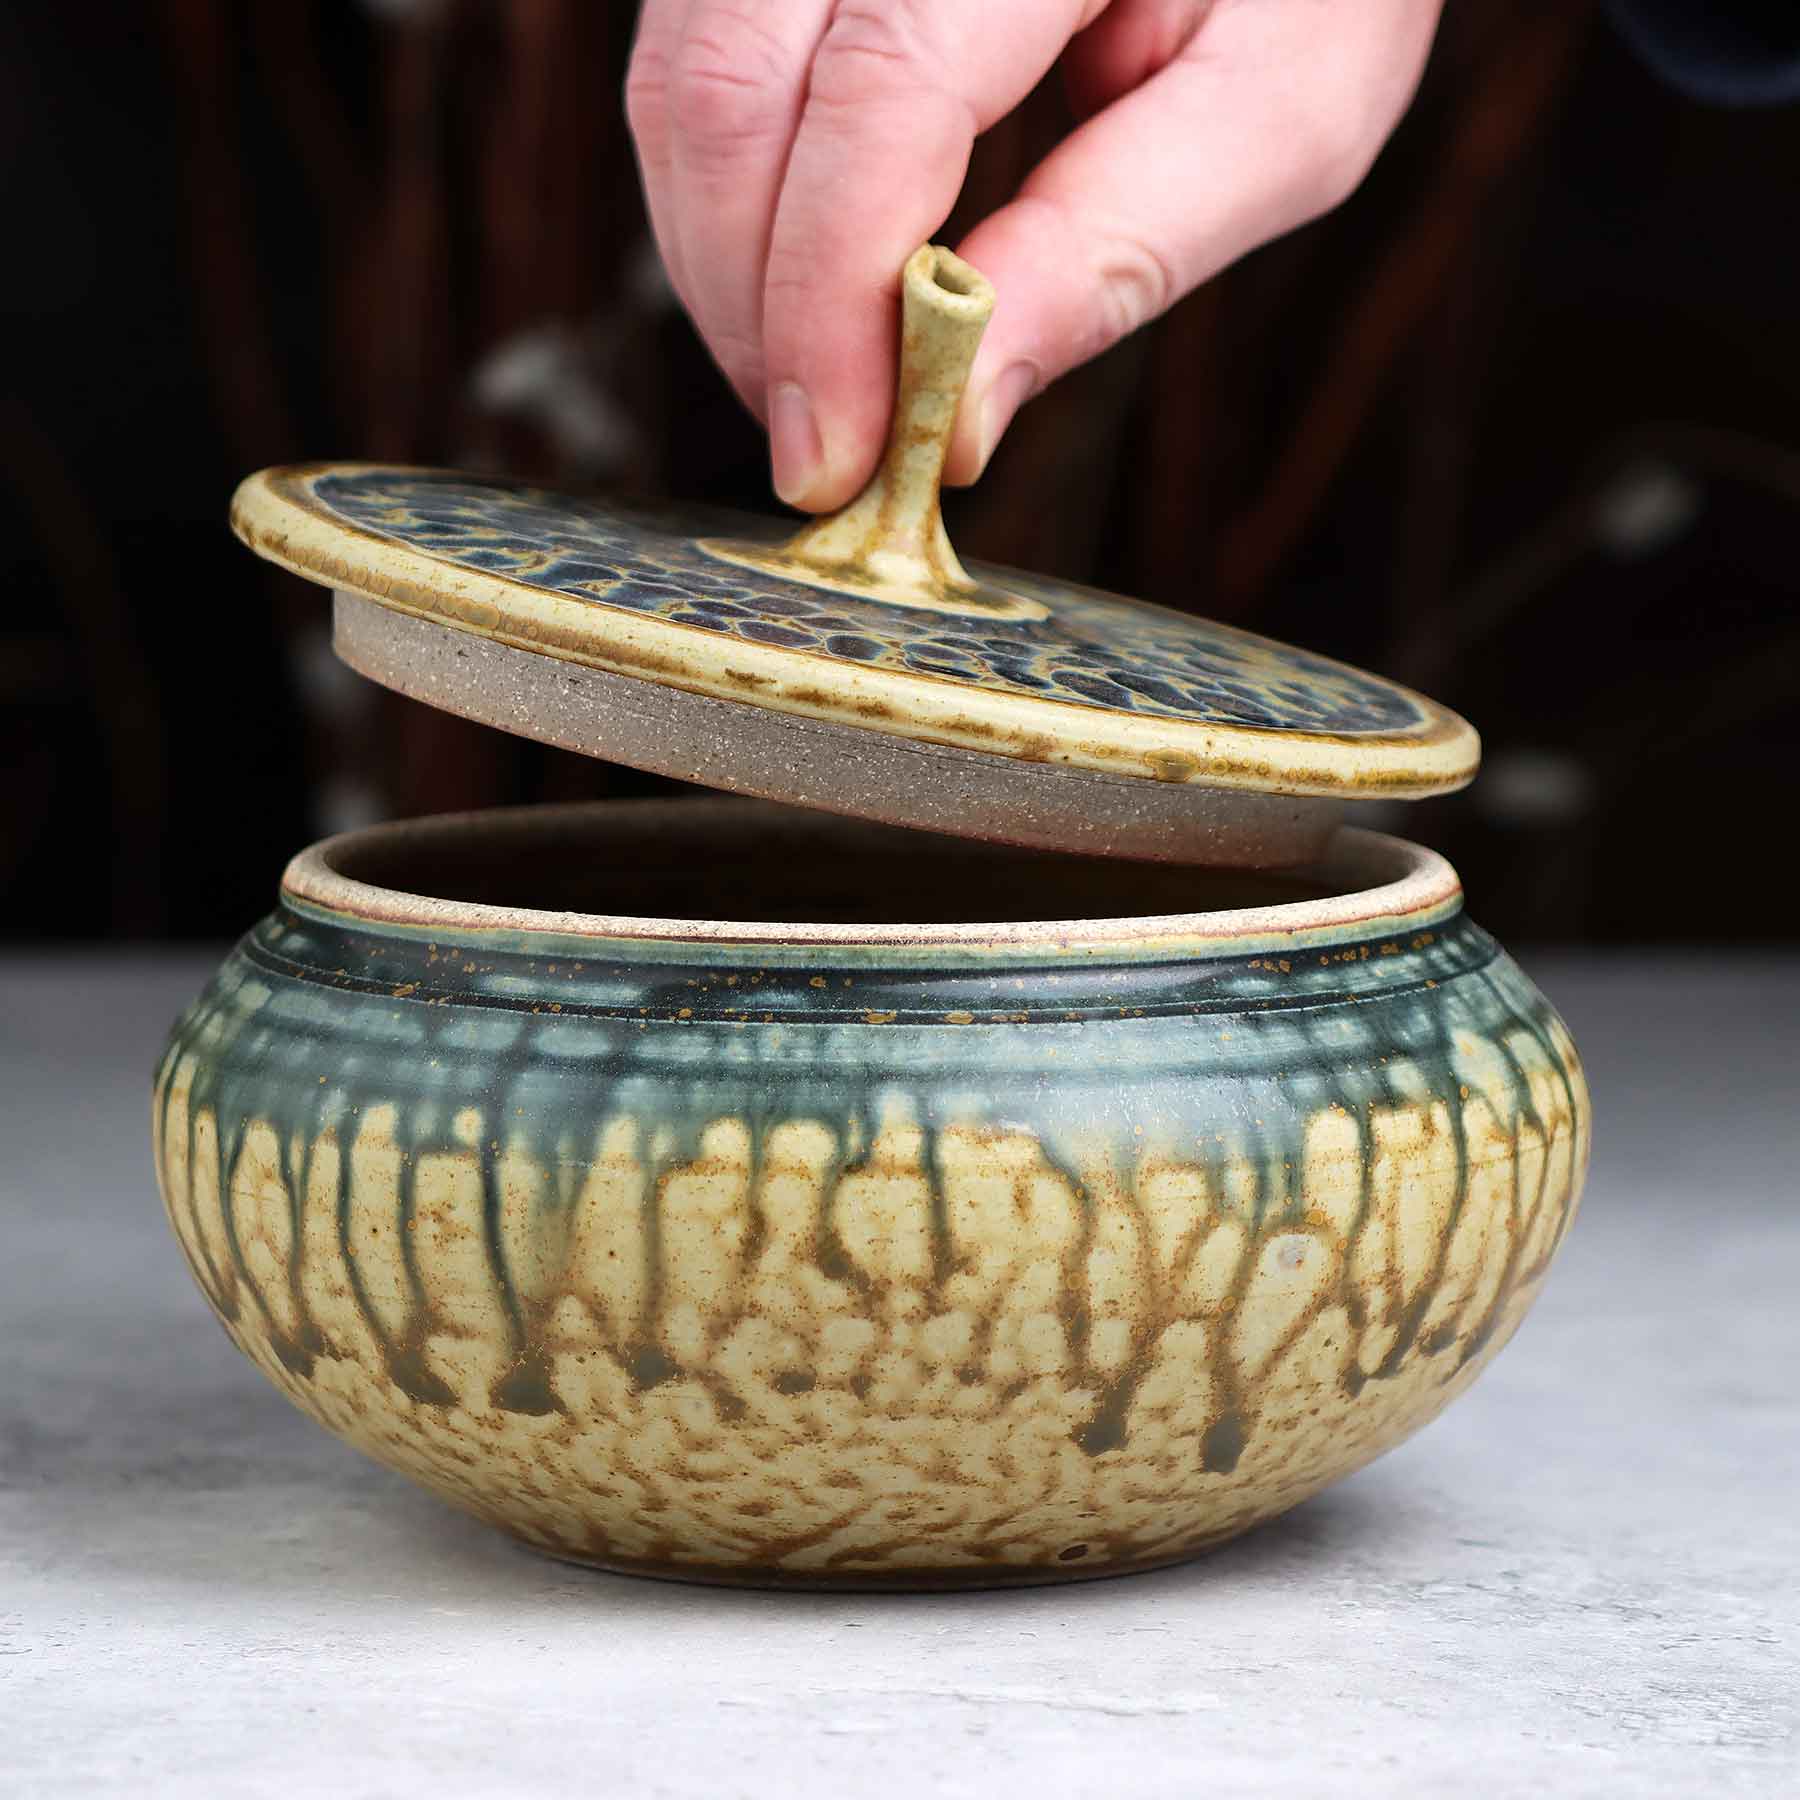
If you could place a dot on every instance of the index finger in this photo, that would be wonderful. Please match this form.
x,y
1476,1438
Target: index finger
x,y
897,96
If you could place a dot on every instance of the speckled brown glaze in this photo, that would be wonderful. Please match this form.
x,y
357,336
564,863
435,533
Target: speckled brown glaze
x,y
854,1254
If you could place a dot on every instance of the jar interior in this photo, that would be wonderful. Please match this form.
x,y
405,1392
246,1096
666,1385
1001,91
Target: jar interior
x,y
723,859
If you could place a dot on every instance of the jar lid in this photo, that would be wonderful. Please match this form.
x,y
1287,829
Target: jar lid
x,y
856,665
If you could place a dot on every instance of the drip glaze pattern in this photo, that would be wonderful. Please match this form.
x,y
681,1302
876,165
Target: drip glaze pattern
x,y
868,1265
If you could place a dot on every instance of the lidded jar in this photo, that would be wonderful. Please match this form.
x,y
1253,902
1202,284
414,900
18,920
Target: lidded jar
x,y
1033,1137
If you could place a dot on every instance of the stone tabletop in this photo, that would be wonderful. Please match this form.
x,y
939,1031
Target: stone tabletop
x,y
1583,1580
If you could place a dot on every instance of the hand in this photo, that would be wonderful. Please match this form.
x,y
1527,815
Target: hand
x,y
795,152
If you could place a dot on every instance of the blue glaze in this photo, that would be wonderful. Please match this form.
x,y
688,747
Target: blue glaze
x,y
1093,649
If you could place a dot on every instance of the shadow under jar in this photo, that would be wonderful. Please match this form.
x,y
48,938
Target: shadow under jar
x,y
897,1238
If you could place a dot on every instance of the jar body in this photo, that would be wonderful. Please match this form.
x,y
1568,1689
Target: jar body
x,y
869,1264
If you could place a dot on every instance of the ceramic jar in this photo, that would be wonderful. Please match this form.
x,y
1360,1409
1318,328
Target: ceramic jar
x,y
882,1244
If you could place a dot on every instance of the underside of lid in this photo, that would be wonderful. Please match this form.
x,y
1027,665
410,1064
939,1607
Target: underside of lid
x,y
748,749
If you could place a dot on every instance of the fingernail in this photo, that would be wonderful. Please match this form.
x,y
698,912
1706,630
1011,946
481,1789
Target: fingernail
x,y
1007,392
796,454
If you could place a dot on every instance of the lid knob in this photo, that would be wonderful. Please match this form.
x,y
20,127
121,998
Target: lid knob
x,y
889,543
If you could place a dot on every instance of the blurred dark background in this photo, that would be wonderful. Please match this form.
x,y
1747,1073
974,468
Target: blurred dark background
x,y
1519,425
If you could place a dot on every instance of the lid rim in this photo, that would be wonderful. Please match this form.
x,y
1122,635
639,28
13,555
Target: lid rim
x,y
275,515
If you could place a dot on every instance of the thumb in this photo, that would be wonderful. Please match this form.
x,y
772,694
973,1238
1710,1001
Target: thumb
x,y
1254,129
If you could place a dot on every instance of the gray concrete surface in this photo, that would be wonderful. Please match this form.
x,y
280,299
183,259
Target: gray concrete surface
x,y
1584,1580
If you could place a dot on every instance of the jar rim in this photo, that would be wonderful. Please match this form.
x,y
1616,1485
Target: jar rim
x,y
1373,883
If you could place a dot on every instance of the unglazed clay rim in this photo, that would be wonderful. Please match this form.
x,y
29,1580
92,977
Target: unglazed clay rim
x,y
733,747
1419,887
276,514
